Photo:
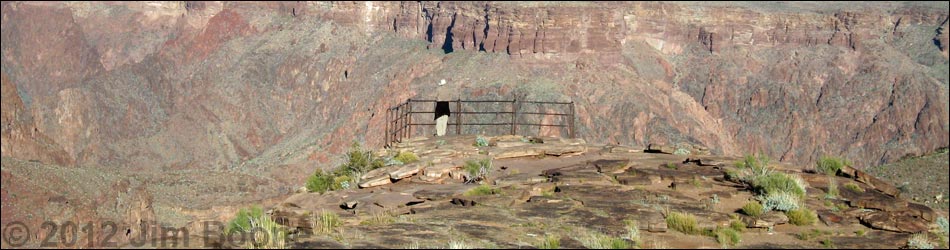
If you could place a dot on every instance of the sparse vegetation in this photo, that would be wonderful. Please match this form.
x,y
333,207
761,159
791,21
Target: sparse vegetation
x,y
242,221
459,244
860,233
549,242
633,231
407,157
812,234
325,222
379,218
752,167
483,189
319,182
477,169
685,223
944,228
670,165
753,208
854,187
358,162
728,236
594,240
481,141
780,201
831,165
779,183
802,217
832,187
267,234
828,243
737,225
919,241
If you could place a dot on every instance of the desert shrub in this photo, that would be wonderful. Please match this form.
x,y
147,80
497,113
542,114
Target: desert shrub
x,y
831,165
549,242
407,157
828,243
753,208
242,221
320,182
459,244
593,240
780,201
943,226
379,218
752,167
737,225
685,223
325,222
481,190
802,217
832,187
681,151
477,169
779,183
854,187
359,161
269,235
481,141
919,241
633,230
728,236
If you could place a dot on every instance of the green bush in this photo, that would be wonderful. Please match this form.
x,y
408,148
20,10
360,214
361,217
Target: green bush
x,y
737,225
242,221
780,201
270,234
832,187
802,217
757,165
728,236
477,170
407,157
753,208
481,141
685,223
320,182
778,182
359,161
831,165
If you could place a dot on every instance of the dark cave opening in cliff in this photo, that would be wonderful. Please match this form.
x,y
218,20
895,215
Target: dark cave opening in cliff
x,y
447,46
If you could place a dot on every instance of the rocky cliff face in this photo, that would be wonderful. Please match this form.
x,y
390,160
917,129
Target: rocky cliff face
x,y
269,88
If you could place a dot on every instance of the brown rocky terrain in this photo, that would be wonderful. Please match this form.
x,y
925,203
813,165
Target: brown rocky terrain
x,y
202,107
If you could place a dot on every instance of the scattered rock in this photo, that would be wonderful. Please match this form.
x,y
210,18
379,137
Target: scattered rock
x,y
767,220
829,218
350,204
405,171
463,202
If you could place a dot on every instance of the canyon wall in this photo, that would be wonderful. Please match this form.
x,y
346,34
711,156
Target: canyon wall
x,y
277,87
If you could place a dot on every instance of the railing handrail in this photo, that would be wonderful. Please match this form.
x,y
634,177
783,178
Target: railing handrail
x,y
399,123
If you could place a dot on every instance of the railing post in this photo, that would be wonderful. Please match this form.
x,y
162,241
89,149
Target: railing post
x,y
386,133
458,116
514,116
409,119
572,121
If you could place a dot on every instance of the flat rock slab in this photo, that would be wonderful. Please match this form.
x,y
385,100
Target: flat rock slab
x,y
566,150
376,181
516,152
895,222
520,179
393,200
440,169
404,171
610,166
441,192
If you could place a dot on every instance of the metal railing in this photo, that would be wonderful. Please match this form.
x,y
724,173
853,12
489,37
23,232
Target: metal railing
x,y
400,124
